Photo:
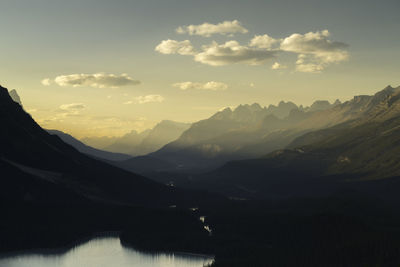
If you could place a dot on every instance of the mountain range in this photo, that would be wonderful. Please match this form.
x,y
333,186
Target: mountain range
x,y
29,151
360,150
319,186
136,144
244,132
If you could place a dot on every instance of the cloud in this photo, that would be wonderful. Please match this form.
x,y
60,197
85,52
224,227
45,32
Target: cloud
x,y
278,66
216,54
175,47
232,52
310,64
315,50
315,43
99,80
263,41
214,86
66,110
146,99
207,29
72,106
46,82
309,67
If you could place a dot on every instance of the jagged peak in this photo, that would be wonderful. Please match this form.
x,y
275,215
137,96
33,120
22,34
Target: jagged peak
x,y
337,102
316,102
388,88
222,114
14,95
5,95
256,106
226,110
360,97
287,103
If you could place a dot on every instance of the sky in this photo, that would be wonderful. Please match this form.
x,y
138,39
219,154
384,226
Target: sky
x,y
104,68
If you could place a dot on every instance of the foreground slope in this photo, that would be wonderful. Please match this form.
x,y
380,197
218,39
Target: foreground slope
x,y
81,147
27,147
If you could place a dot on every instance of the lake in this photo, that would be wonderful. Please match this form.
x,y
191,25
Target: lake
x,y
104,252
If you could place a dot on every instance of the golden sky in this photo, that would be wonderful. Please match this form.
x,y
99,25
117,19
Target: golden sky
x,y
104,68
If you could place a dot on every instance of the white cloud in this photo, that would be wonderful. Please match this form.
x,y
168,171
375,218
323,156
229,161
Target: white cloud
x,y
217,54
315,50
316,43
214,86
149,99
252,85
278,66
175,47
308,63
232,52
46,82
207,29
263,41
99,80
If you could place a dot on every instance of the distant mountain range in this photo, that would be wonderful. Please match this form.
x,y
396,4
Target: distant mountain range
x,y
244,132
358,148
136,144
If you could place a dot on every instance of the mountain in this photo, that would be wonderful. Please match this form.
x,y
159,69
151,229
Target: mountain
x,y
164,132
100,142
127,143
15,97
29,151
362,153
137,144
245,132
81,147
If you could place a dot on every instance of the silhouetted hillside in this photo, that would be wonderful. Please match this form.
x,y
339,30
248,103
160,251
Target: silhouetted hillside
x,y
81,147
30,149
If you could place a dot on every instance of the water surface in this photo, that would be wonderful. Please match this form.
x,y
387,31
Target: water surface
x,y
104,252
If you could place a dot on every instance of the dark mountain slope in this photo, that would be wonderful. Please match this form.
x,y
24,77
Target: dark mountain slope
x,y
81,147
31,149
